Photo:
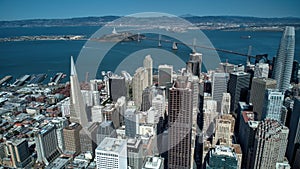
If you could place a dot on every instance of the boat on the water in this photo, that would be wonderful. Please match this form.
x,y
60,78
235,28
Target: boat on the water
x,y
174,46
246,37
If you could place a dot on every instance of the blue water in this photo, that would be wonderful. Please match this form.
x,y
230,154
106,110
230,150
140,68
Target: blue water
x,y
31,57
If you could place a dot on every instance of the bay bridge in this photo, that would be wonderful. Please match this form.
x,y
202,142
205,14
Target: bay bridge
x,y
175,44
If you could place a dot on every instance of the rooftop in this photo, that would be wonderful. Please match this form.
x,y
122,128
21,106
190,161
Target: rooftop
x,y
223,150
58,163
112,145
153,163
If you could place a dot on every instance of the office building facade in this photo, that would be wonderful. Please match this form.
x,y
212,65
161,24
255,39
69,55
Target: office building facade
x,y
111,154
238,81
72,138
257,93
270,144
180,121
273,105
284,59
46,144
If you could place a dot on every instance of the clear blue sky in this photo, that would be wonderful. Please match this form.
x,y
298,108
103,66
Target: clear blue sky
x,y
33,9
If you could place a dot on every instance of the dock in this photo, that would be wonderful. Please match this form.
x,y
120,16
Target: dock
x,y
5,80
56,79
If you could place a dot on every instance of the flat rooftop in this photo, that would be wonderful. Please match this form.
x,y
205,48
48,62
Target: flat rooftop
x,y
153,163
112,145
223,150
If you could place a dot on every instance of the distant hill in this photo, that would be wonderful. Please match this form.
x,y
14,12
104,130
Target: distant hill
x,y
85,21
99,21
242,19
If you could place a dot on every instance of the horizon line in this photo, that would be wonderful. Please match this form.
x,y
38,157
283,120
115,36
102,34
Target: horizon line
x,y
181,16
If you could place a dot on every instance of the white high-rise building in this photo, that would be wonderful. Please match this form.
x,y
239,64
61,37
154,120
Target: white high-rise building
x,y
87,97
78,112
209,115
153,116
158,103
60,124
225,107
111,154
96,98
273,104
261,70
195,88
65,107
148,65
284,59
97,115
219,86
139,83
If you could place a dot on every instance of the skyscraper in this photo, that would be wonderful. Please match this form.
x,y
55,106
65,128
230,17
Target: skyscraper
x,y
284,59
111,154
295,72
135,153
117,87
78,111
224,130
148,65
294,135
139,83
165,74
257,93
270,144
88,138
209,115
60,124
225,106
131,123
158,103
147,98
180,121
238,81
219,86
273,104
195,63
246,136
46,144
261,70
71,138
111,113
105,129
19,153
